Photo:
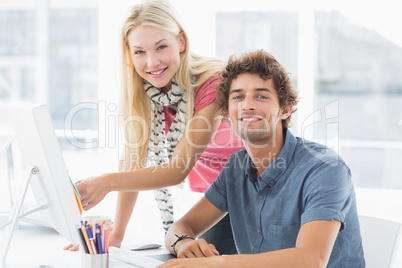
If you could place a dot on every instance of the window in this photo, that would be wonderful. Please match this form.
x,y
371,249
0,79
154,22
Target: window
x,y
357,82
358,65
49,54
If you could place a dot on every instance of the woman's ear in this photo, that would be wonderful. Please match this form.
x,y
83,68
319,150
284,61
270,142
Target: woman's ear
x,y
183,41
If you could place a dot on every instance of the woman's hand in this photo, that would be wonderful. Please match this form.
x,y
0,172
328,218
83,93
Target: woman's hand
x,y
93,190
115,242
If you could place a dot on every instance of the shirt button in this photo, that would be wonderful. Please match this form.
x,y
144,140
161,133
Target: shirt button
x,y
259,231
261,197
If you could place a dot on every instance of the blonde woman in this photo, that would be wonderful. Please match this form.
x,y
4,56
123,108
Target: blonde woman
x,y
172,126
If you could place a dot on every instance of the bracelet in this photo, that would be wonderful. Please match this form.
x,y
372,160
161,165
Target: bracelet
x,y
179,238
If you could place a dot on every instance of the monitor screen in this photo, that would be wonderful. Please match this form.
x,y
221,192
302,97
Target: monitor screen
x,y
51,187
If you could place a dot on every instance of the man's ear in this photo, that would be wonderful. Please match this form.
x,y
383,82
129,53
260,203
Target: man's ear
x,y
286,111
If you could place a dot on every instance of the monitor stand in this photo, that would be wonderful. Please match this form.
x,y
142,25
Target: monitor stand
x,y
15,212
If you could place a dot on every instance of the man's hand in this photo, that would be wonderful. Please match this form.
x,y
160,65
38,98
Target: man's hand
x,y
195,248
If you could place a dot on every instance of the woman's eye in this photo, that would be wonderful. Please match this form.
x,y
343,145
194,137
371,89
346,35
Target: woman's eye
x,y
162,47
138,52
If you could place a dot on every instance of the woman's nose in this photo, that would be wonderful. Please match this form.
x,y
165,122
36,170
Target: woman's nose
x,y
152,61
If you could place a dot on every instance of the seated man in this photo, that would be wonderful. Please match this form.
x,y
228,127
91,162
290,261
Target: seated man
x,y
291,202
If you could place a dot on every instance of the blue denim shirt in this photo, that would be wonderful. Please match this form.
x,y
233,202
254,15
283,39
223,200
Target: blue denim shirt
x,y
306,182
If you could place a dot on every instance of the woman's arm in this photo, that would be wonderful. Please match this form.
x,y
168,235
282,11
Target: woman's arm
x,y
125,205
199,134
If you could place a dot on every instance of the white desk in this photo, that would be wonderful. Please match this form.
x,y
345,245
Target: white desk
x,y
33,246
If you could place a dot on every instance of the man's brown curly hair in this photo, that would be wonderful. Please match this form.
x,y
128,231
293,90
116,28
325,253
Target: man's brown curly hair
x,y
267,67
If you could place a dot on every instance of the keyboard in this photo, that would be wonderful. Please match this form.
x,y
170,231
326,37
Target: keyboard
x,y
133,258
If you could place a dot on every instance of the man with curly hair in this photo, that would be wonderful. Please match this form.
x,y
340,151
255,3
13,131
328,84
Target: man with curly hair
x,y
291,201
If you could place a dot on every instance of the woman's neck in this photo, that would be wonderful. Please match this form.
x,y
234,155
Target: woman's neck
x,y
166,88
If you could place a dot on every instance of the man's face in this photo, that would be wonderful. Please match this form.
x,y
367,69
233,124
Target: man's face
x,y
254,110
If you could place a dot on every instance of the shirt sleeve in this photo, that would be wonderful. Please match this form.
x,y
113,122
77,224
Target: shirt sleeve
x,y
329,194
205,94
217,192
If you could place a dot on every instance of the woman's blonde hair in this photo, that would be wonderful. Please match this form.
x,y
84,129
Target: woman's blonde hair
x,y
135,104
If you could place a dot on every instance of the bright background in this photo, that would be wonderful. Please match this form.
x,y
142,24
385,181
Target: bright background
x,y
345,58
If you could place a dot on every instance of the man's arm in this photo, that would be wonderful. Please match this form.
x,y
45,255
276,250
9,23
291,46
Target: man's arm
x,y
195,222
313,248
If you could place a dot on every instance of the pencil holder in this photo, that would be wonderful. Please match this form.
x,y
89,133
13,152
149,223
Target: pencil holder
x,y
95,260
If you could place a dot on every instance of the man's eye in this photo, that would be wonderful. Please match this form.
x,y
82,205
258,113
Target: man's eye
x,y
262,97
237,97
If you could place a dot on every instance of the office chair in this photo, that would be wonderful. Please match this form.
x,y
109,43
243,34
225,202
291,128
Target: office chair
x,y
380,241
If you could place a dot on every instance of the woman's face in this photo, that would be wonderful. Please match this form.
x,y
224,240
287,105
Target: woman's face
x,y
156,54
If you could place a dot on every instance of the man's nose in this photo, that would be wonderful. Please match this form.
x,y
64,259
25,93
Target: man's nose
x,y
248,104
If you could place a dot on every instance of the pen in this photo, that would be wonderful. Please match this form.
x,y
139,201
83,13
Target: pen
x,y
78,200
75,188
91,239
81,235
105,237
90,224
108,238
102,233
84,232
103,223
98,238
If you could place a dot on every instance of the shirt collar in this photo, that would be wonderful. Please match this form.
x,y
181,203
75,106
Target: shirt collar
x,y
250,171
272,173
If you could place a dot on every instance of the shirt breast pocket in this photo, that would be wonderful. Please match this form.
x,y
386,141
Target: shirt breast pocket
x,y
279,237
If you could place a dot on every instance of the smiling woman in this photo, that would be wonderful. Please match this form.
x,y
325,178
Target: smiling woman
x,y
170,121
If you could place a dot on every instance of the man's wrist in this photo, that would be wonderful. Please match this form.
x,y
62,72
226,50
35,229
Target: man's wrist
x,y
178,240
182,245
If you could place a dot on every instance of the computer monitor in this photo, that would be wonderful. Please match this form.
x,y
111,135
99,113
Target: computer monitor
x,y
51,186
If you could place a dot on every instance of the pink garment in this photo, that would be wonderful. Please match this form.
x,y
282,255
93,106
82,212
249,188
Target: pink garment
x,y
224,143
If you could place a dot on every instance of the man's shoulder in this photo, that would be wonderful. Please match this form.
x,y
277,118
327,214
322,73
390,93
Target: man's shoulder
x,y
238,160
242,153
314,152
